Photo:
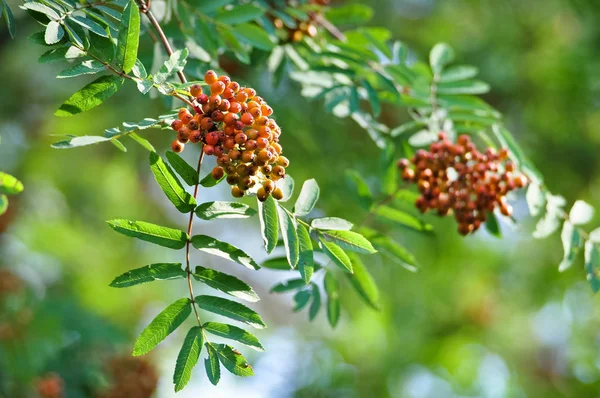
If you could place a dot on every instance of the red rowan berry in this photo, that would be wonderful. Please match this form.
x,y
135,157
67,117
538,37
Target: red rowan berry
x,y
261,194
215,100
228,93
230,119
269,186
266,110
195,90
229,143
217,88
206,123
177,124
212,138
234,86
242,96
232,179
278,171
225,80
177,146
217,116
225,105
240,138
218,173
202,99
236,192
234,154
247,119
195,136
209,149
210,77
247,156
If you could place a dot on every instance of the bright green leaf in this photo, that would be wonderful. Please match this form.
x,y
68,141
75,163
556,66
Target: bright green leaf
x,y
336,254
163,236
306,262
269,223
290,236
128,40
331,285
331,223
185,171
363,282
222,249
233,333
230,309
169,183
214,210
233,361
213,369
90,96
226,283
149,273
188,357
10,185
350,240
308,197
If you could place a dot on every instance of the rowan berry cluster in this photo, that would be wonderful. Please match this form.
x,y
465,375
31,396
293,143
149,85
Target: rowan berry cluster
x,y
233,124
302,27
457,178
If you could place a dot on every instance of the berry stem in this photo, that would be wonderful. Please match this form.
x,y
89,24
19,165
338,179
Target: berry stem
x,y
188,268
145,8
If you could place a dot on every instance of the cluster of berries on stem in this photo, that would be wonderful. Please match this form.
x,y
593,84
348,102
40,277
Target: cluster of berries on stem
x,y
457,178
302,27
233,124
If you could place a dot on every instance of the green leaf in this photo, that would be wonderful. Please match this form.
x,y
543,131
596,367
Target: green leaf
x,y
315,306
41,8
391,248
54,33
230,309
333,300
174,64
363,282
581,213
129,37
233,333
84,140
163,325
459,72
492,226
279,263
188,358
53,55
222,249
149,273
402,218
209,181
139,70
90,96
9,19
239,14
88,67
169,183
3,204
373,97
288,285
187,172
360,188
551,221
213,210
254,36
472,87
354,14
163,236
10,185
213,369
267,212
290,236
74,36
142,141
441,55
102,48
592,265
301,299
572,241
234,361
350,240
89,25
331,223
308,197
226,283
336,254
306,262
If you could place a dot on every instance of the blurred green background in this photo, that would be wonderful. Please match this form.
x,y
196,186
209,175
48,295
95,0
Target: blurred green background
x,y
483,317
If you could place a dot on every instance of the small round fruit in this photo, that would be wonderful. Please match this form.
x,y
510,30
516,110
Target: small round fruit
x,y
277,194
195,90
210,77
269,186
212,138
236,192
261,194
283,161
177,146
218,173
217,88
247,119
177,124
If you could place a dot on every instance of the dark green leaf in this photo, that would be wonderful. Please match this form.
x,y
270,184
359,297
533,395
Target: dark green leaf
x,y
279,263
492,226
315,306
230,309
301,299
225,283
188,357
89,24
222,249
163,325
355,14
287,286
169,183
41,8
373,97
233,333
306,262
209,181
142,141
290,236
213,210
233,361
149,273
363,282
254,35
90,96
240,14
269,223
592,265
333,300
128,41
163,236
187,172
336,254
308,197
572,242
9,19
213,369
